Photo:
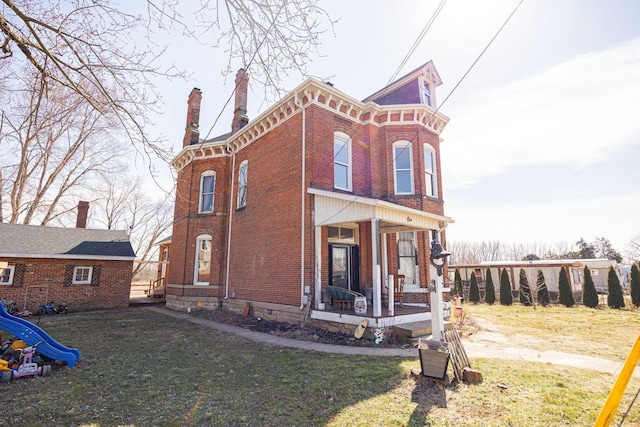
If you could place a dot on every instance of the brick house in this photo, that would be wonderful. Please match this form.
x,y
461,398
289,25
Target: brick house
x,y
320,190
87,269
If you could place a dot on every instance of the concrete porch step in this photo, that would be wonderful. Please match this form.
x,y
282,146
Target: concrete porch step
x,y
412,332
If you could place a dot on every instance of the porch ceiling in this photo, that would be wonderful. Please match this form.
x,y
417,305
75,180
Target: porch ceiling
x,y
332,208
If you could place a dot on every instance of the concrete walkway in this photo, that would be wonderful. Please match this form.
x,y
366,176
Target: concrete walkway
x,y
480,348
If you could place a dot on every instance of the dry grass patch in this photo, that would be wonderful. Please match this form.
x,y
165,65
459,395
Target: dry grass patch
x,y
600,332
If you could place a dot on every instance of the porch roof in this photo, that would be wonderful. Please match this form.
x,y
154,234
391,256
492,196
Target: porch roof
x,y
333,208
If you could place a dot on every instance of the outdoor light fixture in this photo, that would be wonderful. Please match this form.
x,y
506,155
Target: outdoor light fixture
x,y
438,256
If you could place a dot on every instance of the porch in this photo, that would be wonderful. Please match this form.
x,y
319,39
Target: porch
x,y
402,315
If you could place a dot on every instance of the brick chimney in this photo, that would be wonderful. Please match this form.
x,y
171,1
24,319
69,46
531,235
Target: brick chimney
x,y
192,131
240,118
83,213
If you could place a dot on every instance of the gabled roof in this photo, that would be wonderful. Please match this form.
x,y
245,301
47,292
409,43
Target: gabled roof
x,y
32,241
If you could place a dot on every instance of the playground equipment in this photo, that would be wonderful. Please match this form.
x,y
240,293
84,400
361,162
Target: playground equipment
x,y
35,340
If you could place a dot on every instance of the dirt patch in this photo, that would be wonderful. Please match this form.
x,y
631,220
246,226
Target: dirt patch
x,y
294,331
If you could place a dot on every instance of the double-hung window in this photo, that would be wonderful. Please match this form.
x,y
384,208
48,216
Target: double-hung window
x,y
6,275
426,93
430,177
203,260
242,184
403,167
207,188
82,275
341,161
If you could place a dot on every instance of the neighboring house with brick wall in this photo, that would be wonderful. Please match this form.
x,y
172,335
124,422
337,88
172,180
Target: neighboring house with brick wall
x,y
87,269
320,190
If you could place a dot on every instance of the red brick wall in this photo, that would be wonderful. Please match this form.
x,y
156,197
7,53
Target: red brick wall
x,y
189,224
265,247
44,281
266,234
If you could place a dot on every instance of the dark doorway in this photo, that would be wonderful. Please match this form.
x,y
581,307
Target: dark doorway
x,y
344,266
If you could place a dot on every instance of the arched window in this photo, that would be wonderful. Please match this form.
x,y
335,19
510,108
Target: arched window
x,y
341,161
430,175
207,191
202,268
403,167
242,184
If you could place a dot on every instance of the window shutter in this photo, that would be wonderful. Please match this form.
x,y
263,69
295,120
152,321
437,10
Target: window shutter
x,y
68,275
18,274
95,278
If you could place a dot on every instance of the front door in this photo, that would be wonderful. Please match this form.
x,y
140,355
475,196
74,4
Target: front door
x,y
344,267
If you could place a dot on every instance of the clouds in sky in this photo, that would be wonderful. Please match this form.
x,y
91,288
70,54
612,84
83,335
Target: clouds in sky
x,y
549,157
575,113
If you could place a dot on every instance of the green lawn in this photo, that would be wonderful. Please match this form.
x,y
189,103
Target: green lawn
x,y
140,368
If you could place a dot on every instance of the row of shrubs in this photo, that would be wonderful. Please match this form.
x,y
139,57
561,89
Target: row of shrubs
x,y
615,296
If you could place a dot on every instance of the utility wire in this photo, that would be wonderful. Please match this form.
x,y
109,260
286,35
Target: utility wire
x,y
443,102
418,41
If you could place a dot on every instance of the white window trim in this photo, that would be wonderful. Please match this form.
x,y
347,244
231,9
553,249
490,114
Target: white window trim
x,y
401,144
200,194
245,165
416,267
343,137
197,260
82,282
11,269
434,176
432,93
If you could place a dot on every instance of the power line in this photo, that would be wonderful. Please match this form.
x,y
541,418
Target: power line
x,y
418,40
444,101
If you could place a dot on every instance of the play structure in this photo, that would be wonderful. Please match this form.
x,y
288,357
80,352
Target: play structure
x,y
38,341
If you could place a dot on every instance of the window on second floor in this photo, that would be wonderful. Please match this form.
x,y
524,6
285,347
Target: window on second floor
x,y
341,161
430,176
242,184
207,187
403,167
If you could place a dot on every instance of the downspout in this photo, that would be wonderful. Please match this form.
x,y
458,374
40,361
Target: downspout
x,y
302,195
233,178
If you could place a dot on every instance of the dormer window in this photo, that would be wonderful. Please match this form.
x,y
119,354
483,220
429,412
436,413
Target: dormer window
x,y
426,93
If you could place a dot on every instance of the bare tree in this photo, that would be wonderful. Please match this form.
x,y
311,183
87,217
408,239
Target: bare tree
x,y
106,51
53,144
632,250
123,204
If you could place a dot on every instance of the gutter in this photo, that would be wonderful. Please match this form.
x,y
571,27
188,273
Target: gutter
x,y
303,192
233,178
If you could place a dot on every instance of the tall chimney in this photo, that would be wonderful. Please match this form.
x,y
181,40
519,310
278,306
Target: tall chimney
x,y
192,131
83,213
240,118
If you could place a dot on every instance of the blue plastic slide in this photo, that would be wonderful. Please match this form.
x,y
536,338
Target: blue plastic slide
x,y
33,335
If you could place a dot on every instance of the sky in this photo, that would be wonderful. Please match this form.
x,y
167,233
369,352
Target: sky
x,y
543,142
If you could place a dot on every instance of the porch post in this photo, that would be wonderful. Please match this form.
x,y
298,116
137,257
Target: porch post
x,y
437,314
384,267
375,261
318,267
